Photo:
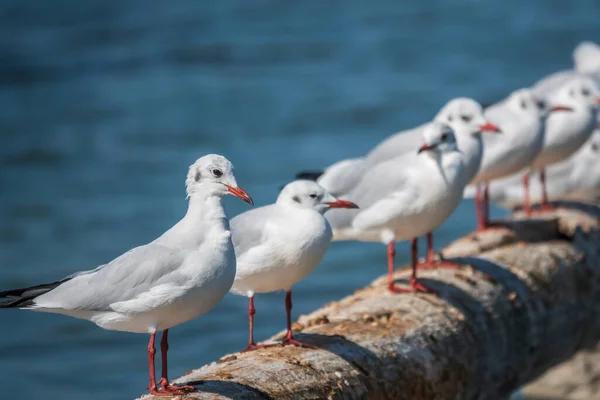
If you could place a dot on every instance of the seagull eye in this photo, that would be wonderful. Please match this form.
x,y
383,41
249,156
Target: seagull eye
x,y
217,172
450,118
585,92
541,105
466,118
523,105
312,196
444,137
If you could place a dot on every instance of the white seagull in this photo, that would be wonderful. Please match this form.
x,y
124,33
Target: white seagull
x,y
579,173
176,278
522,121
463,115
406,197
280,244
567,131
586,62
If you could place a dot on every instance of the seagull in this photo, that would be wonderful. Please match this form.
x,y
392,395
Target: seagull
x,y
463,115
522,120
406,197
579,173
176,278
280,244
567,131
586,61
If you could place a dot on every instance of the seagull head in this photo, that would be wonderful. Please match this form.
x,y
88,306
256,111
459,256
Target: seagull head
x,y
465,116
438,138
213,175
580,93
310,195
523,102
586,57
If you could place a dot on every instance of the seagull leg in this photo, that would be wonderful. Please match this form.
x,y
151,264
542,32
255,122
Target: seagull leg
x,y
392,287
251,344
481,222
166,388
545,206
415,285
289,337
151,353
430,253
526,198
486,204
431,262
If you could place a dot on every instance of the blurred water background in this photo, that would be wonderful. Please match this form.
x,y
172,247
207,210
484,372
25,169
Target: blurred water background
x,y
104,104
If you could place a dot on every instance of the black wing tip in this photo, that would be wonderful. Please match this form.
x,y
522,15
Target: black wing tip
x,y
24,297
309,175
17,303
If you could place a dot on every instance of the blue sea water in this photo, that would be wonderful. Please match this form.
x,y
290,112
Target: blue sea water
x,y
104,104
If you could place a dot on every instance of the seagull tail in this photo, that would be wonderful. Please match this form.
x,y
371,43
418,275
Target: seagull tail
x,y
309,175
17,298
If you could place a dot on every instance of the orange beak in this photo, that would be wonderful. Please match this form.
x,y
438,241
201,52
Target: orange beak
x,y
489,127
426,147
241,193
560,108
342,204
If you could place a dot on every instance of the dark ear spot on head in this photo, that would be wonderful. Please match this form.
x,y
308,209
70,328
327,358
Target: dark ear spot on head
x,y
296,199
198,176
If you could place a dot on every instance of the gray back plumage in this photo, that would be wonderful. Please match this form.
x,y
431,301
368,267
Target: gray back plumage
x,y
124,278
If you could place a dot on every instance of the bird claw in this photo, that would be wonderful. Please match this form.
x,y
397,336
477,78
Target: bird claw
x,y
415,286
396,289
252,347
290,341
166,389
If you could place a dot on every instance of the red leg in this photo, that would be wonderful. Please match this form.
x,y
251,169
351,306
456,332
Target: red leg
x,y
431,262
415,285
430,253
545,206
486,204
251,344
526,198
151,353
289,336
166,388
479,209
391,255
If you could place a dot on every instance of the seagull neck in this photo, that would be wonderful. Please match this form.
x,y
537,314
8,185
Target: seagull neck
x,y
204,208
204,213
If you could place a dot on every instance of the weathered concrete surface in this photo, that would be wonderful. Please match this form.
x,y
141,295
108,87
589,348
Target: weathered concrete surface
x,y
530,300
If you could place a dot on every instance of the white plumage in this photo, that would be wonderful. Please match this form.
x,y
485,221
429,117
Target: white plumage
x,y
177,277
463,115
280,244
407,196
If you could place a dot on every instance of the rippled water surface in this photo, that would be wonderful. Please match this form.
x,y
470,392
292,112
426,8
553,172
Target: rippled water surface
x,y
103,105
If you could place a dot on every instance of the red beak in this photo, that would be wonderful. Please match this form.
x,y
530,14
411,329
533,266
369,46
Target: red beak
x,y
489,127
598,100
426,147
560,108
342,204
241,193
